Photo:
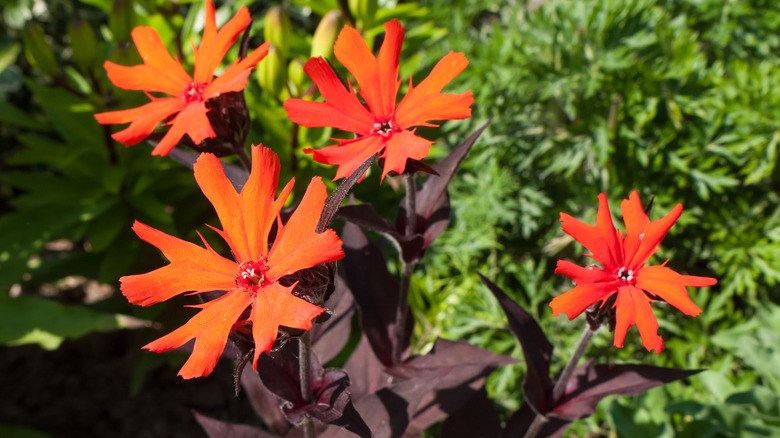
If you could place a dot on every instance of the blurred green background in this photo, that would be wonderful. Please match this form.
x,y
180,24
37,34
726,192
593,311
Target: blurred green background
x,y
674,99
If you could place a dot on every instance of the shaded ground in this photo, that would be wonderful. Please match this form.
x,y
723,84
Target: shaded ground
x,y
83,389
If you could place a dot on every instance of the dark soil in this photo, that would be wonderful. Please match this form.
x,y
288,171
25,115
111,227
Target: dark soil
x,y
83,389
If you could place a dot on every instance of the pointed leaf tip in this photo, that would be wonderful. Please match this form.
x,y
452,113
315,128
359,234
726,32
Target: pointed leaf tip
x,y
537,349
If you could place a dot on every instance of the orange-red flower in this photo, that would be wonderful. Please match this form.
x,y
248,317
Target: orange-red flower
x,y
161,73
251,281
623,271
380,124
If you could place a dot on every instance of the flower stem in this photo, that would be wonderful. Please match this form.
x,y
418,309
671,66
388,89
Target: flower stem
x,y
338,195
242,155
407,271
560,385
304,372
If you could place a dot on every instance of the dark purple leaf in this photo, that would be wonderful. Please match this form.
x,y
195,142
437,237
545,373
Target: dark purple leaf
x,y
461,369
537,385
235,174
521,420
475,419
365,371
278,370
591,383
220,429
332,403
264,402
365,217
432,203
388,411
375,291
330,338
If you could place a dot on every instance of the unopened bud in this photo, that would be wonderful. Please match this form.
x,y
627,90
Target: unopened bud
x,y
38,51
122,20
83,44
295,71
278,29
271,72
363,11
326,33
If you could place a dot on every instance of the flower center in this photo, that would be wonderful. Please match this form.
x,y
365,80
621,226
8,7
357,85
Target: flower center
x,y
625,274
251,275
194,92
384,127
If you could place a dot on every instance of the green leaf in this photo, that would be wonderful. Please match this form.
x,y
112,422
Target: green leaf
x,y
11,114
8,54
30,320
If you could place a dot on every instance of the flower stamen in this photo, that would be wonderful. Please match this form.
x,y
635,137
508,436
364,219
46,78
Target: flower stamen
x,y
193,92
251,274
383,128
625,274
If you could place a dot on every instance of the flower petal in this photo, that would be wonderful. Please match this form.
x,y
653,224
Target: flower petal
x,y
257,200
220,192
192,269
633,307
154,54
234,77
403,145
143,119
353,52
653,235
600,240
210,327
297,245
580,275
349,155
575,301
143,77
193,121
636,221
290,310
425,102
341,109
669,285
265,326
214,45
387,65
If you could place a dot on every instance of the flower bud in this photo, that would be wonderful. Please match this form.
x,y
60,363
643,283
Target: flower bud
x,y
38,51
122,20
83,44
271,73
278,29
363,11
326,33
295,71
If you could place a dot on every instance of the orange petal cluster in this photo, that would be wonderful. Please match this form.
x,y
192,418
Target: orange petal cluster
x,y
188,95
623,271
380,124
251,281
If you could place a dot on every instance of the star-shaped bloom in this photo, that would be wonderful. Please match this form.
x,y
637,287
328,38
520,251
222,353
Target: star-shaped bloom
x,y
251,281
188,95
623,271
380,124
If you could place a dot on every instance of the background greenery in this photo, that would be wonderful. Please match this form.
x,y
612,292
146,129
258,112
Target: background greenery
x,y
674,99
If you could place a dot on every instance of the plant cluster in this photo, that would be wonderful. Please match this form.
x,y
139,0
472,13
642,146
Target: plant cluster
x,y
359,312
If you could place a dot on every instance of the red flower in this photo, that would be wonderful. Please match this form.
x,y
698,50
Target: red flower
x,y
251,281
161,73
380,124
624,273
